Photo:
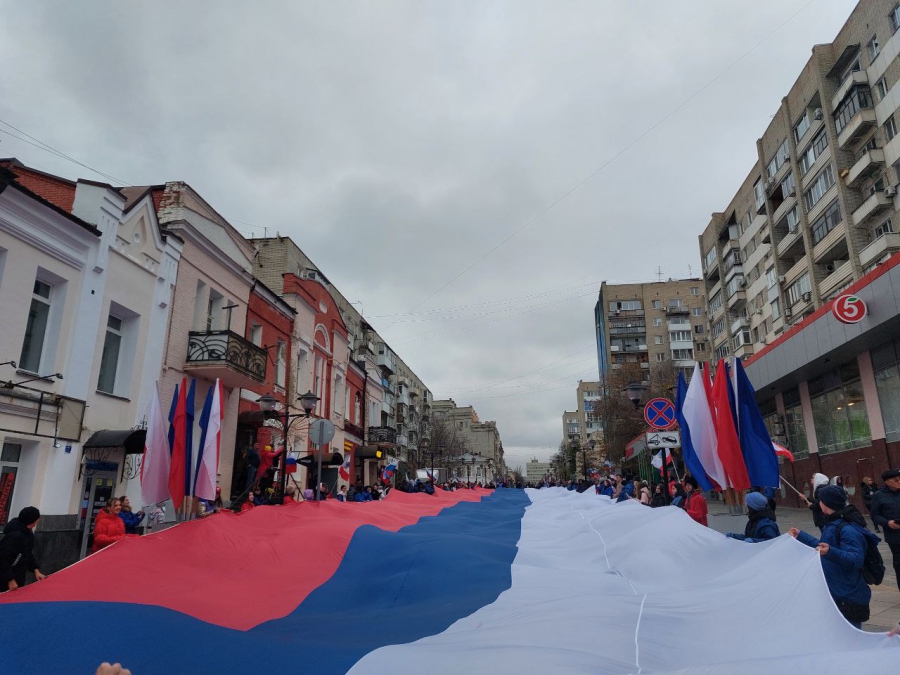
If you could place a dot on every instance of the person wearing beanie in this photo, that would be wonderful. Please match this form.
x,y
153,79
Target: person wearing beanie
x,y
817,482
842,548
17,550
885,512
761,525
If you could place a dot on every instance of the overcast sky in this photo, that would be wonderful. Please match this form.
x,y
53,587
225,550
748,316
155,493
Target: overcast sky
x,y
398,143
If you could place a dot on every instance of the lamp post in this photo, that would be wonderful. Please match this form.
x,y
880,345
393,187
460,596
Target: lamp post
x,y
424,448
308,401
469,460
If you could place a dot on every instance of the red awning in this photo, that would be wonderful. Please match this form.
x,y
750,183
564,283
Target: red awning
x,y
636,445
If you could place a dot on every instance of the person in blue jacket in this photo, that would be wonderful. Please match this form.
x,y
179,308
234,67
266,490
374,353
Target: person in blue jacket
x,y
842,549
761,525
627,491
131,519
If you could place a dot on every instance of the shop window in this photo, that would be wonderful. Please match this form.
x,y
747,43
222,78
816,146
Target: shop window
x,y
839,410
886,363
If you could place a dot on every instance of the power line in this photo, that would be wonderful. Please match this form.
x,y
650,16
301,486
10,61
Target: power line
x,y
609,161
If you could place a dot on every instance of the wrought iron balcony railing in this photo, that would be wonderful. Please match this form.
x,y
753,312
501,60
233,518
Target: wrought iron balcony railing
x,y
226,347
382,435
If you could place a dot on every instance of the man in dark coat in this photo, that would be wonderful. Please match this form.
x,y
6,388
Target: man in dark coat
x,y
885,512
17,550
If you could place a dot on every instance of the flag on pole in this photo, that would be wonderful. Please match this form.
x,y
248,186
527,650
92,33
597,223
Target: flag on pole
x,y
155,465
170,435
657,461
177,421
344,471
691,461
389,470
699,418
728,444
756,444
210,442
189,438
782,451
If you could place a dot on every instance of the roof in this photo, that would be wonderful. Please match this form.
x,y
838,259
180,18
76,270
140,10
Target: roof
x,y
10,179
54,189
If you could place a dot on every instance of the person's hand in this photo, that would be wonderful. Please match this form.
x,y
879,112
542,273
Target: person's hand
x,y
793,532
38,575
894,631
12,585
823,549
115,669
894,525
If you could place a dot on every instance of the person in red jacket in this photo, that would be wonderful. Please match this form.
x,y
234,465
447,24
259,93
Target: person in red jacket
x,y
694,501
108,528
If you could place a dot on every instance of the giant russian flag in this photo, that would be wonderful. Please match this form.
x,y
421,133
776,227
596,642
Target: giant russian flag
x,y
511,581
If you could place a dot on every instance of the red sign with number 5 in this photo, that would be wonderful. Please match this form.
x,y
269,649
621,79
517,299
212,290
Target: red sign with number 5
x,y
849,308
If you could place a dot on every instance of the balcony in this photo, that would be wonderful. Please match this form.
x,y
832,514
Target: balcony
x,y
403,398
637,329
789,240
673,310
626,312
740,323
794,273
783,209
383,436
854,79
353,430
387,408
402,440
835,280
887,243
868,163
386,360
743,350
824,248
878,202
222,354
645,365
683,324
615,348
738,299
861,122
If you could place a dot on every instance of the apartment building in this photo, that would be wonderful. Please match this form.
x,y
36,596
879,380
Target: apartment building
x,y
571,426
591,429
814,220
651,324
480,438
535,470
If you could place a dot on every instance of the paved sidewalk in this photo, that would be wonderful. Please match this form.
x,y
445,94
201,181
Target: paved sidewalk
x,y
885,606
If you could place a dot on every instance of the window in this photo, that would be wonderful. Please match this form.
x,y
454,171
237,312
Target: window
x,y
695,290
661,357
859,98
798,289
657,304
759,192
657,322
280,363
10,457
680,336
894,16
890,127
793,220
675,303
883,229
794,429
109,361
886,364
36,327
788,186
624,305
722,350
801,127
881,89
873,48
700,347
776,308
839,410
820,186
658,340
682,354
718,327
256,334
735,284
697,311
826,222
813,151
778,160
710,258
771,277
715,302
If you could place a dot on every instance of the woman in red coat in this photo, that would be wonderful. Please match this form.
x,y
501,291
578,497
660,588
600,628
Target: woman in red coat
x,y
108,528
694,501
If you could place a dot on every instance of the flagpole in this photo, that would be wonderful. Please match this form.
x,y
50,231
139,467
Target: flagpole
x,y
799,494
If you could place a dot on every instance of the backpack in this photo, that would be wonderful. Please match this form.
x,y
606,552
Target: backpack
x,y
873,564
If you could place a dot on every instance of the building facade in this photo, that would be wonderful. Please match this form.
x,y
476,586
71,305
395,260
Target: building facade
x,y
651,324
816,211
535,471
480,438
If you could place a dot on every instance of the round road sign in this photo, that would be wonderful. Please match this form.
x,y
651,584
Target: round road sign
x,y
660,413
321,432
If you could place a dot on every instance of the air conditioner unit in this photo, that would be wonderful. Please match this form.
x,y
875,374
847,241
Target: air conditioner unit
x,y
807,297
762,340
792,192
742,283
758,311
788,312
817,114
829,268
890,191
767,239
781,279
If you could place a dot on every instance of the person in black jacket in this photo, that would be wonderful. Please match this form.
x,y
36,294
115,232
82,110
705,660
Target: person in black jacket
x,y
761,522
17,550
868,488
886,513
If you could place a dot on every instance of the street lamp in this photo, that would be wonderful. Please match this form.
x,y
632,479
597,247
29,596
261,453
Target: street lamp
x,y
267,403
636,393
